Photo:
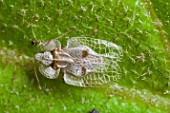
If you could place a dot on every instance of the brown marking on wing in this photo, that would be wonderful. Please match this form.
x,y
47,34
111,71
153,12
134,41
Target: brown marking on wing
x,y
83,71
84,53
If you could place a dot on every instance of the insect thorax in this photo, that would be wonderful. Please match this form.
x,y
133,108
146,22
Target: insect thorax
x,y
60,59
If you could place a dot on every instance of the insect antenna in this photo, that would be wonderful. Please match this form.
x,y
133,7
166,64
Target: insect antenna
x,y
70,30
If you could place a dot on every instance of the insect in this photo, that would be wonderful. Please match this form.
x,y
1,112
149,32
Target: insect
x,y
86,62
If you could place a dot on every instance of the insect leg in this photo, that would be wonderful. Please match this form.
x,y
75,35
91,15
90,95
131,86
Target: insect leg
x,y
36,76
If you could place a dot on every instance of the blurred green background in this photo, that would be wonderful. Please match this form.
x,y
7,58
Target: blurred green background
x,y
141,28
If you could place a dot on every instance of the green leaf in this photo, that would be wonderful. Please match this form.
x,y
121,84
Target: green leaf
x,y
140,27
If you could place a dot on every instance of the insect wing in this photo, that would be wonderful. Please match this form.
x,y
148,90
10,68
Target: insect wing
x,y
102,47
92,80
85,60
103,64
81,67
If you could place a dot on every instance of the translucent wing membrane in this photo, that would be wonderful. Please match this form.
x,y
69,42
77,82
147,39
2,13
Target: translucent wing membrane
x,y
81,67
99,73
102,47
92,68
92,80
